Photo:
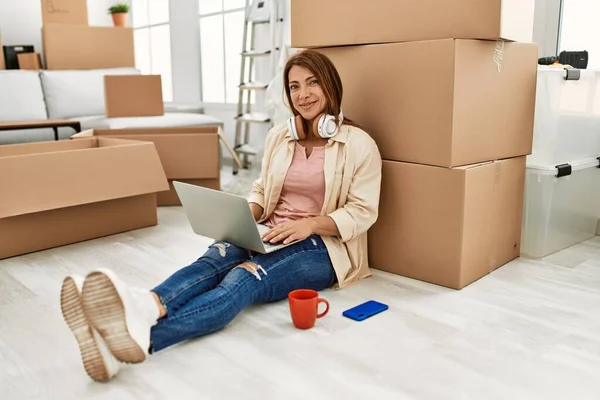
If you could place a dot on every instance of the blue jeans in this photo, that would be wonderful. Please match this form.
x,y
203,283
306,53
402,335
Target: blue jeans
x,y
207,295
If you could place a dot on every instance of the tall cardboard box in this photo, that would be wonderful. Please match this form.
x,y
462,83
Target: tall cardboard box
x,y
324,23
69,12
448,226
58,193
442,102
87,47
188,154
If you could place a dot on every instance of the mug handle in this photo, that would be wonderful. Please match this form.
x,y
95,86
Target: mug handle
x,y
324,313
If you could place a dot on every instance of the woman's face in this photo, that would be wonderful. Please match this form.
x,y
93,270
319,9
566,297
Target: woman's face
x,y
306,93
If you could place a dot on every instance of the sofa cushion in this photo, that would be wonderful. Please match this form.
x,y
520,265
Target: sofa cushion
x,y
166,120
76,93
21,96
30,135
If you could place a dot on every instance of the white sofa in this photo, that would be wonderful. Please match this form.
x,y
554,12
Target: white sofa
x,y
76,95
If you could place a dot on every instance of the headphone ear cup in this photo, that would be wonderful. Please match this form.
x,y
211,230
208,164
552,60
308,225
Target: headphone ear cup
x,y
317,124
327,128
292,128
296,127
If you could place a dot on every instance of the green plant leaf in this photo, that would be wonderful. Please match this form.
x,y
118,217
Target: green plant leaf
x,y
118,8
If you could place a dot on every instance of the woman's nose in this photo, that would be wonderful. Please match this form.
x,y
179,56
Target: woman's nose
x,y
304,93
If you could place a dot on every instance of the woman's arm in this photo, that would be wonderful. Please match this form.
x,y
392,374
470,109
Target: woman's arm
x,y
324,226
362,206
257,210
256,198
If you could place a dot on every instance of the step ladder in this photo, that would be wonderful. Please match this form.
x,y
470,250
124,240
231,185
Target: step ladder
x,y
251,88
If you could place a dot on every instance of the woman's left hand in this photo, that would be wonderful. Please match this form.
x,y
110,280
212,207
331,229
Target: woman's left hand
x,y
289,231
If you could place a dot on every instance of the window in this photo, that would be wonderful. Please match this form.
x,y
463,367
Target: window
x,y
152,36
580,30
221,33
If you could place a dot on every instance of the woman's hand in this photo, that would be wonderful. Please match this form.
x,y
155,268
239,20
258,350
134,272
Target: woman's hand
x,y
289,231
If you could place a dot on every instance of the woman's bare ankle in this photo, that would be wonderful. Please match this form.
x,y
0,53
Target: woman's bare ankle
x,y
161,308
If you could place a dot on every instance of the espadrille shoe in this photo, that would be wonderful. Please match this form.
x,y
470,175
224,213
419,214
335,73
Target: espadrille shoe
x,y
97,359
123,315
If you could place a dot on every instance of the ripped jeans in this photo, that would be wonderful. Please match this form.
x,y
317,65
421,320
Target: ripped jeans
x,y
207,295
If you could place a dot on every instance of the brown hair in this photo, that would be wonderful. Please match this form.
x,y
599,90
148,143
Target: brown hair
x,y
327,75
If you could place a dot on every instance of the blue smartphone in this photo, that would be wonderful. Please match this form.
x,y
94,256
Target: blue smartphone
x,y
365,310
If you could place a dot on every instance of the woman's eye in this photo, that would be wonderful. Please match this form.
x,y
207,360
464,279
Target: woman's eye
x,y
293,87
314,82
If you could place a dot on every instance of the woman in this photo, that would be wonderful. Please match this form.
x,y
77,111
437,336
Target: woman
x,y
319,187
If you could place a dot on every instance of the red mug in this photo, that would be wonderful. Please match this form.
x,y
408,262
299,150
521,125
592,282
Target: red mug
x,y
304,307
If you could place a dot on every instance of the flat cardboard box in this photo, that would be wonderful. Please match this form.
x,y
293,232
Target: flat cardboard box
x,y
448,226
87,47
442,102
133,96
325,23
58,193
29,61
69,12
189,154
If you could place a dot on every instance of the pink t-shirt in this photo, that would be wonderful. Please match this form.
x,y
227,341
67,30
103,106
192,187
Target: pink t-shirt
x,y
303,191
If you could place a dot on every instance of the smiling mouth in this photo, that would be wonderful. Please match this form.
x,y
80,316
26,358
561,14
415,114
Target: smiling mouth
x,y
307,105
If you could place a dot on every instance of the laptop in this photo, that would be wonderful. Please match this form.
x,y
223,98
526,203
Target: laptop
x,y
224,217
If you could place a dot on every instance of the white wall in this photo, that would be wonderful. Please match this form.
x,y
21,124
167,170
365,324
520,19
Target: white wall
x,y
21,21
546,25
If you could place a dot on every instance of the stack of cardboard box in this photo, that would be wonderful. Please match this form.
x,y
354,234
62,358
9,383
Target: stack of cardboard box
x,y
447,90
70,43
189,154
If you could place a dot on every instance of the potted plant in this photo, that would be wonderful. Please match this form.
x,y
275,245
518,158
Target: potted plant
x,y
119,12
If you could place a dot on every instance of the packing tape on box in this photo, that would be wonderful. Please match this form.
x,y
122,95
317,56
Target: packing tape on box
x,y
499,54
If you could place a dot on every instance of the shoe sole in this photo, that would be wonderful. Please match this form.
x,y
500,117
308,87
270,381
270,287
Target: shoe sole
x,y
106,312
73,314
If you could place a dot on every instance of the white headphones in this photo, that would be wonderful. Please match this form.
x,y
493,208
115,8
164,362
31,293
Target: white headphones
x,y
324,125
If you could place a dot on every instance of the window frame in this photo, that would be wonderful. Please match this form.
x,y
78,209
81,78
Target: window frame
x,y
149,26
225,104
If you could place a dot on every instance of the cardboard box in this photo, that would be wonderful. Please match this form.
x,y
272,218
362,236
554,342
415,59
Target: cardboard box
x,y
448,226
69,12
58,193
133,96
189,154
318,23
442,102
29,61
87,47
